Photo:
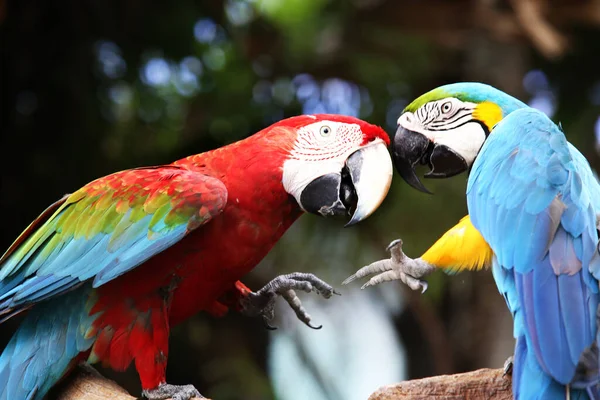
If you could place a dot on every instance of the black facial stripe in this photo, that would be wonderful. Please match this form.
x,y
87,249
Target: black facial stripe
x,y
460,110
432,117
428,114
447,117
446,128
451,124
449,121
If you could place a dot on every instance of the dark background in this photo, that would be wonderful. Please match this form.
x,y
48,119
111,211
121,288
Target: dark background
x,y
92,87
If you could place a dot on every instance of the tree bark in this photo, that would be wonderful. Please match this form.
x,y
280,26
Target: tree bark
x,y
480,384
85,383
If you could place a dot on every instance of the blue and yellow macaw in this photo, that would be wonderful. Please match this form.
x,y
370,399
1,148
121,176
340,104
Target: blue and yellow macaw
x,y
533,204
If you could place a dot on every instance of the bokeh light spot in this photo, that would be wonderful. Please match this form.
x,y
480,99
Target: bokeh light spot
x,y
156,72
215,58
120,93
111,63
205,30
261,93
238,12
394,109
306,87
545,102
535,81
283,91
193,64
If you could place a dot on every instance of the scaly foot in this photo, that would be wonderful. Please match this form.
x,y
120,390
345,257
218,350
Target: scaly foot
x,y
175,392
262,302
397,267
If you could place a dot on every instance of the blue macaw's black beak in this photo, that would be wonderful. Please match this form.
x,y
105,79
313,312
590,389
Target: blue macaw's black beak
x,y
411,148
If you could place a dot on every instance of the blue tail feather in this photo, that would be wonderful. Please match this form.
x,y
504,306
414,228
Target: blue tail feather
x,y
531,383
594,392
41,350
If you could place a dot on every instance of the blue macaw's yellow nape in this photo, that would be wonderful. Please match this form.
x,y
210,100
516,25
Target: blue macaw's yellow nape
x,y
533,204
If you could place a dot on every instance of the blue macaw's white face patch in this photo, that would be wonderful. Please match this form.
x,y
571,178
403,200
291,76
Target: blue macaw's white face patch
x,y
449,122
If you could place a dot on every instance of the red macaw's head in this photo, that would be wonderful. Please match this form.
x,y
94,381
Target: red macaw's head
x,y
337,165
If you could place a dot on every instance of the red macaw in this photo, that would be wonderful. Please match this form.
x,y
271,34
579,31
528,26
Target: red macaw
x,y
105,272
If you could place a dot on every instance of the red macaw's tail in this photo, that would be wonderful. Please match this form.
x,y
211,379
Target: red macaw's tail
x,y
46,345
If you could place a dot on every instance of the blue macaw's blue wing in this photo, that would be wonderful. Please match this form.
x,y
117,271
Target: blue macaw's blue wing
x,y
532,197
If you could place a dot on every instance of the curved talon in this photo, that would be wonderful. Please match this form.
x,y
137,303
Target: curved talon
x,y
296,305
397,242
398,256
508,366
262,302
269,326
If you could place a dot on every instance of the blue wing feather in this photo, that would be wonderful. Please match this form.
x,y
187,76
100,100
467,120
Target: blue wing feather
x,y
52,264
535,199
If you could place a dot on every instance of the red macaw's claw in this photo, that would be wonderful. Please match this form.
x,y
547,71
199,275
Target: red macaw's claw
x,y
294,301
166,391
262,302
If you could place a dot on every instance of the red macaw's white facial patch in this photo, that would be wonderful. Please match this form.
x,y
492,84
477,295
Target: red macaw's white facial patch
x,y
323,148
320,148
326,140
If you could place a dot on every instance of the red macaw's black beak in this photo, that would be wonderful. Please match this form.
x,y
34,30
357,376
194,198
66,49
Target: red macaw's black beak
x,y
411,148
357,190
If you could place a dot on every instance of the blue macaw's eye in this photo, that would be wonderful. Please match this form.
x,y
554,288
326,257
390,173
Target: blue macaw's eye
x,y
325,130
446,107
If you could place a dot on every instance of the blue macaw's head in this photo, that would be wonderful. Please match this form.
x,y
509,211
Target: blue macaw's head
x,y
446,127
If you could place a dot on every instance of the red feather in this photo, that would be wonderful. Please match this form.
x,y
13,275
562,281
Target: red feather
x,y
137,309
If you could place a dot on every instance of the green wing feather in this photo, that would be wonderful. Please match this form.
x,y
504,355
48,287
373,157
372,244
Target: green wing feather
x,y
105,229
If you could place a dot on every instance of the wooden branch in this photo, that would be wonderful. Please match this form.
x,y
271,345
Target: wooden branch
x,y
85,383
547,39
542,23
480,384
